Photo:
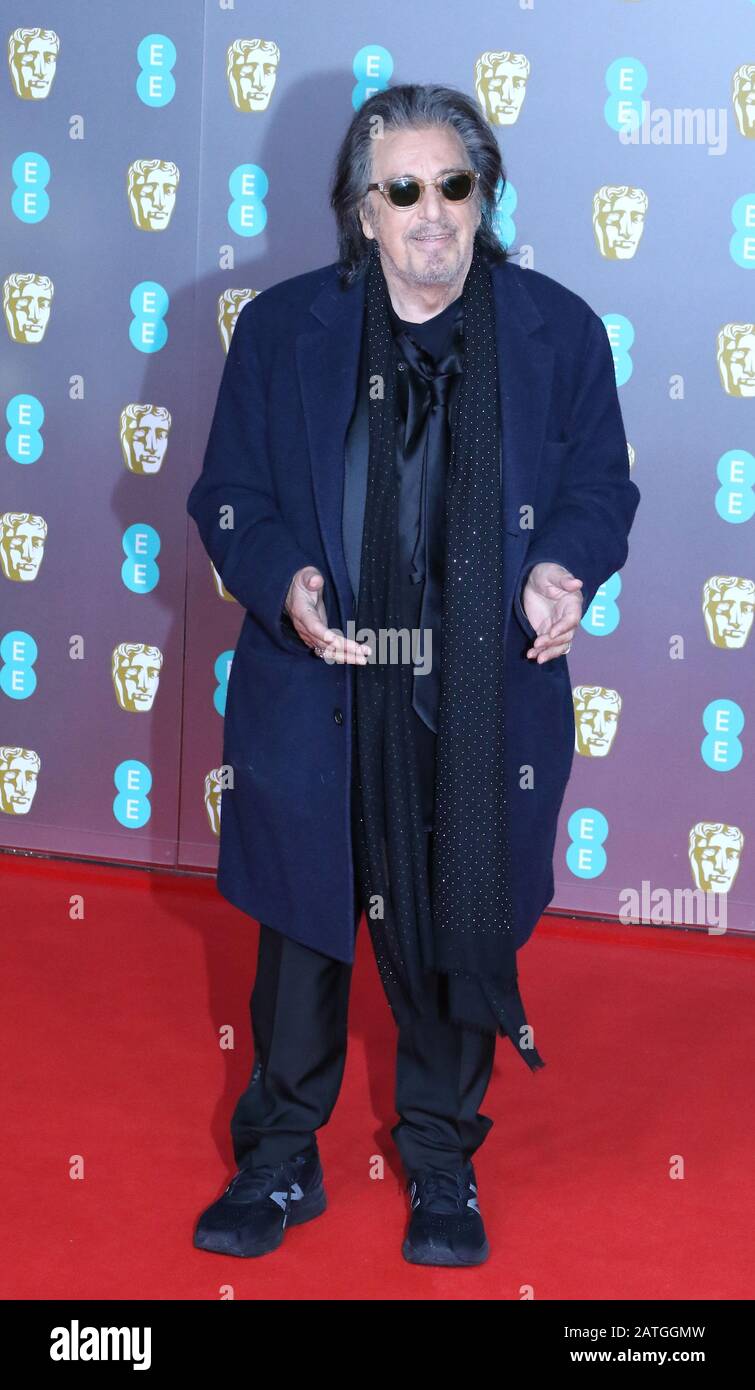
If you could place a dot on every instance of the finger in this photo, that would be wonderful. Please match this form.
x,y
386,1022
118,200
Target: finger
x,y
565,629
548,653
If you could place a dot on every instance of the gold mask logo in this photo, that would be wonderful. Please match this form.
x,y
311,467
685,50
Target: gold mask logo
x,y
213,795
743,99
500,80
230,304
735,352
27,300
618,220
136,671
33,59
251,69
715,851
22,545
596,719
19,770
728,607
151,185
145,430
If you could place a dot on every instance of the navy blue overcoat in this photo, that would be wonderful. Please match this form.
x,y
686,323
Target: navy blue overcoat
x,y
275,456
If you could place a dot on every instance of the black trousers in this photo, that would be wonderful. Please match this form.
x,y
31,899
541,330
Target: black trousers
x,y
299,1013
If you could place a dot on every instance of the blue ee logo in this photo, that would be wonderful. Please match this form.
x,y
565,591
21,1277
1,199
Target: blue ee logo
x,y
140,571
373,70
621,337
156,55
133,781
503,217
742,244
149,303
603,616
735,499
31,174
18,652
222,670
721,749
587,829
626,80
247,214
23,441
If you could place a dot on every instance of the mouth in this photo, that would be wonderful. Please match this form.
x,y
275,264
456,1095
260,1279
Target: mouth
x,y
440,236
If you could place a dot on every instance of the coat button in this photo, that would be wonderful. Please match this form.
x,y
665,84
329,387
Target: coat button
x,y
338,715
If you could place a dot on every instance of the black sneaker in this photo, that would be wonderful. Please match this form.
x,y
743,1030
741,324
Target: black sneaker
x,y
258,1204
445,1227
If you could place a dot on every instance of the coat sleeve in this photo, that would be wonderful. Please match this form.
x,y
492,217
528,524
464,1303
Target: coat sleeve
x,y
588,527
233,500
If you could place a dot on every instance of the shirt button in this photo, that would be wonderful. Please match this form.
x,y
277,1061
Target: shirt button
x,y
338,715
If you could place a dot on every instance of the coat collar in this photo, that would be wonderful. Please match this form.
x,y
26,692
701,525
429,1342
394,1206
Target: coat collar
x,y
327,355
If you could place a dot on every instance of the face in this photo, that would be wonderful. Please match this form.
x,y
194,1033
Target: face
x,y
731,615
432,242
31,311
18,783
149,442
139,680
22,551
157,197
715,862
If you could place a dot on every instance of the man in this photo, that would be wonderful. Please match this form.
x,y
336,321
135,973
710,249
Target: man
x,y
420,438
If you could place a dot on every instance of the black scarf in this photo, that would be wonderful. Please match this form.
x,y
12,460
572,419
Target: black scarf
x,y
454,914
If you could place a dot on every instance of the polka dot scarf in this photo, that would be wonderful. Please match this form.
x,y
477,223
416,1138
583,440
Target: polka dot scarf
x,y
448,910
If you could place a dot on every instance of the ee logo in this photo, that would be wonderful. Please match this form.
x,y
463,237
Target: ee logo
x,y
31,174
149,303
247,214
133,781
25,415
586,856
156,55
721,749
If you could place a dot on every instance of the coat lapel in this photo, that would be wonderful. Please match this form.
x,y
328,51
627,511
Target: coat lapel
x,y
328,363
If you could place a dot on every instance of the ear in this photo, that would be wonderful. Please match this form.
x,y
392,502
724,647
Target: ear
x,y
365,220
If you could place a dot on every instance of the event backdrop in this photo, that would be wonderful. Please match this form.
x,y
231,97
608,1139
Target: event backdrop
x,y
165,160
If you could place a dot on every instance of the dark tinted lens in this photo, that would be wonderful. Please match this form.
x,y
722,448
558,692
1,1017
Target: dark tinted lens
x,y
403,192
457,187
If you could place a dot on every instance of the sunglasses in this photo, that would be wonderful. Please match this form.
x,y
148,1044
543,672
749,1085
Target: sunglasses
x,y
407,191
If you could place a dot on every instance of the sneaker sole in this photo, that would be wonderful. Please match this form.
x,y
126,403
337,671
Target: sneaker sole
x,y
215,1244
441,1255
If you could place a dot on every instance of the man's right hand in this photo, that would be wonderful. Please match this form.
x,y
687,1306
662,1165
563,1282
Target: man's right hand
x,y
305,607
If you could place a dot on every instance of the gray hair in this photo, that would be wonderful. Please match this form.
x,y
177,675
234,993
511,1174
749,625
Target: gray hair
x,y
411,105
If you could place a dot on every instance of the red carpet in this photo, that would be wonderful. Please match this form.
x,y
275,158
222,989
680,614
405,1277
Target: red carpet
x,y
111,1050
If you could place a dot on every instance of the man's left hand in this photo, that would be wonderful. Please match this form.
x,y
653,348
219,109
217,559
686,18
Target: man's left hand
x,y
553,604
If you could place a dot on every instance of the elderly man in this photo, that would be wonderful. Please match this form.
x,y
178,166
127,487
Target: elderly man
x,y
415,482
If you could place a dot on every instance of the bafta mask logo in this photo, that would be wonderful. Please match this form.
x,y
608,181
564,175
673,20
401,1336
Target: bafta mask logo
x,y
596,718
151,185
19,770
144,437
735,352
728,607
26,304
22,545
743,99
714,854
219,586
500,81
618,220
136,675
32,59
251,69
230,304
213,794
